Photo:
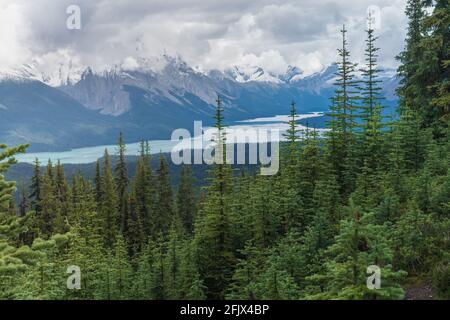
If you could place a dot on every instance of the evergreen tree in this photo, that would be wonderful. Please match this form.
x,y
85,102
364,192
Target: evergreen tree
x,y
424,64
213,237
292,137
172,265
286,186
360,244
264,223
120,270
191,286
13,262
341,144
49,205
134,228
98,182
413,140
35,188
245,277
372,152
62,193
121,178
437,63
143,277
145,192
275,283
411,91
311,169
24,204
186,199
109,204
165,211
45,278
159,274
414,240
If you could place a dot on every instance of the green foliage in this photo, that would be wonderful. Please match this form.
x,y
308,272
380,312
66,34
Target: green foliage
x,y
108,204
368,193
165,204
441,279
360,243
121,179
341,138
186,199
214,233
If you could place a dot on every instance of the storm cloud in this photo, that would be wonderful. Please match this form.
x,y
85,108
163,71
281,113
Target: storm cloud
x,y
207,34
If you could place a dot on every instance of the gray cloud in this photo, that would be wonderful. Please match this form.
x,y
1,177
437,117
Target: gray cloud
x,y
208,34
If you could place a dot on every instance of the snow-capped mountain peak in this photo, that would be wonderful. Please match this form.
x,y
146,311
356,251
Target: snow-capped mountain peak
x,y
292,74
64,74
244,74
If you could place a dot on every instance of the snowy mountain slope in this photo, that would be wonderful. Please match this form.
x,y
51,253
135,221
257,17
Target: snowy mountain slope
x,y
147,98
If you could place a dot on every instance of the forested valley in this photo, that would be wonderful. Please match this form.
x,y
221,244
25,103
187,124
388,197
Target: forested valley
x,y
372,191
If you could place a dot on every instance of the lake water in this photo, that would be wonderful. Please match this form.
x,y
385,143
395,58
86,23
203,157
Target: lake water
x,y
91,154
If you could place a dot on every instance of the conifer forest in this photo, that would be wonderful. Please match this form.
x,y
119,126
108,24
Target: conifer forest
x,y
371,191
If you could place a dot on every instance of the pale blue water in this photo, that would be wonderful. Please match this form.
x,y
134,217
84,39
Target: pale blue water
x,y
91,154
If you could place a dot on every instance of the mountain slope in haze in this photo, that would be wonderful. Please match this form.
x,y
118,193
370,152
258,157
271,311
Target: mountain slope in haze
x,y
32,112
246,93
147,99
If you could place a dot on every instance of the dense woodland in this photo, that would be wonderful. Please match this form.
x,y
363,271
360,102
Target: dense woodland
x,y
372,191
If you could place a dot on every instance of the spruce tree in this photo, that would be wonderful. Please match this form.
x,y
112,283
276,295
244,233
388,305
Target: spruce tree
x,y
413,140
109,204
24,202
437,63
11,264
143,276
134,231
287,184
213,237
165,210
186,199
341,145
62,193
372,153
275,283
49,205
264,221
159,274
172,265
121,271
311,169
411,91
246,274
360,243
424,64
121,179
35,188
145,192
98,182
191,286
292,137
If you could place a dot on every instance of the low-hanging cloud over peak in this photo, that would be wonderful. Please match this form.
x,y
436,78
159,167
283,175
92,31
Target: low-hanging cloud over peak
x,y
207,34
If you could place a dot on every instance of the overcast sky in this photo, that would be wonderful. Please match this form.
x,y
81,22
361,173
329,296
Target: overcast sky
x,y
206,33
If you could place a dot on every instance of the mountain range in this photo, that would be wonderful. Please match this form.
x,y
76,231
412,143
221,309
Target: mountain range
x,y
146,98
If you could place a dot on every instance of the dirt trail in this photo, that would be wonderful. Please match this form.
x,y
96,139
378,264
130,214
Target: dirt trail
x,y
421,290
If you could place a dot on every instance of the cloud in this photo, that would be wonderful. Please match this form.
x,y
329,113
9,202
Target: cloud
x,y
13,35
207,34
